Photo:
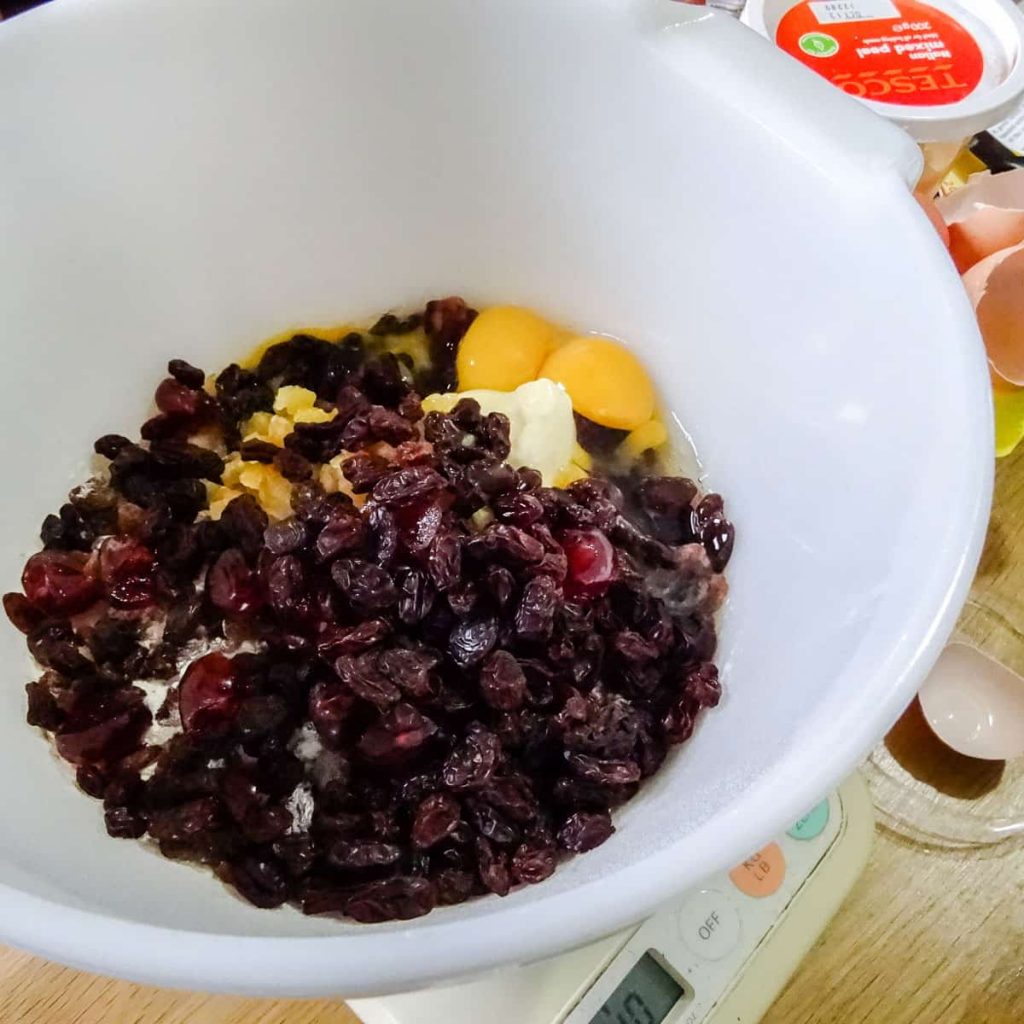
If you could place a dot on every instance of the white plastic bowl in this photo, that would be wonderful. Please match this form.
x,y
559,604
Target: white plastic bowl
x,y
183,178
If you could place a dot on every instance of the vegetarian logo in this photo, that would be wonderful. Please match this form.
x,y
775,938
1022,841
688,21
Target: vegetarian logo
x,y
818,44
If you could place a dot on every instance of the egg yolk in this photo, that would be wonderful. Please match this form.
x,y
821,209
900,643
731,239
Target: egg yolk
x,y
605,381
503,348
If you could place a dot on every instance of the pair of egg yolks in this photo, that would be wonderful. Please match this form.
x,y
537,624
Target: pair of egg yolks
x,y
507,346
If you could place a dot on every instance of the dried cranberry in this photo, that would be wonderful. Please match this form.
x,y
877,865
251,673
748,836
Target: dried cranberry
x,y
56,583
175,399
21,612
591,562
398,736
102,727
232,585
208,699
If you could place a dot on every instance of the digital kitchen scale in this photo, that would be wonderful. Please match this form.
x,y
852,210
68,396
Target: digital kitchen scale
x,y
722,953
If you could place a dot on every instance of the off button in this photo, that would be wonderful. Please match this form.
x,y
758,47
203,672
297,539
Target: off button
x,y
709,924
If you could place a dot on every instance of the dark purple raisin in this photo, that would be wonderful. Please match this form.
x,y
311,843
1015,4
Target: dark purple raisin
x,y
472,764
584,830
111,445
187,374
718,536
535,614
124,823
262,880
342,534
360,854
362,676
502,682
255,450
436,818
454,886
407,485
392,899
444,562
334,641
416,596
410,671
533,861
368,587
603,772
286,536
492,866
472,639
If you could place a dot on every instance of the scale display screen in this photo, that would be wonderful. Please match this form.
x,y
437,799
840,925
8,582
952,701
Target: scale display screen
x,y
644,996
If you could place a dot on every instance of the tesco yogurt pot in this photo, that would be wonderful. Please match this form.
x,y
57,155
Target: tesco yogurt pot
x,y
941,70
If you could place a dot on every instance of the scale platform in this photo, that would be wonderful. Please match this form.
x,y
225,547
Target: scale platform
x,y
718,955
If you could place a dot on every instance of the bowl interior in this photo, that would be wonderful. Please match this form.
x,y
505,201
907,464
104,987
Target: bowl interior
x,y
185,179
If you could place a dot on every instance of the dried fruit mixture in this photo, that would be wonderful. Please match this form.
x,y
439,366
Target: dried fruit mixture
x,y
386,619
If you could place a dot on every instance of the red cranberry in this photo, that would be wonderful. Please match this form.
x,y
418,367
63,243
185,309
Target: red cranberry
x,y
120,557
207,699
176,399
591,560
233,587
21,612
126,568
56,583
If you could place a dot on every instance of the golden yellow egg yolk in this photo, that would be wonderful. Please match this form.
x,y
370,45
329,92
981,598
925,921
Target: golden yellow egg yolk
x,y
605,381
503,348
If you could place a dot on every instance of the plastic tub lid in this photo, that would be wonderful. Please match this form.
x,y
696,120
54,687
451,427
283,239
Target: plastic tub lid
x,y
941,70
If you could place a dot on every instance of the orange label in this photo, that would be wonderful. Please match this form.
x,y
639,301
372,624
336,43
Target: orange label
x,y
891,51
762,874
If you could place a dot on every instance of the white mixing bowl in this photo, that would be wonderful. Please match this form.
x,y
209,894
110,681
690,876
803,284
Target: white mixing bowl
x,y
184,177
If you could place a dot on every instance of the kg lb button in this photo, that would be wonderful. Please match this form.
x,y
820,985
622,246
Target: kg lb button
x,y
709,924
762,874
